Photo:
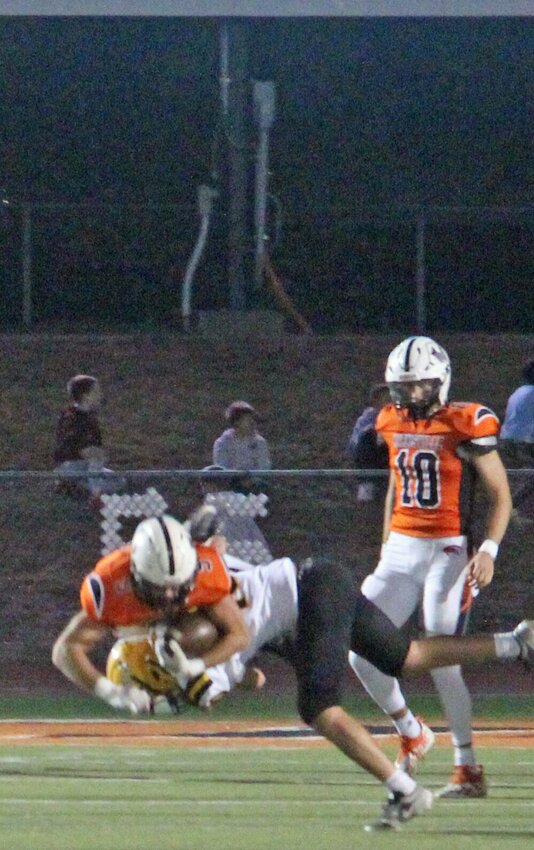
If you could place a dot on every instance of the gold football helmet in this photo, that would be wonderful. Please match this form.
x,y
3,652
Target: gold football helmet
x,y
133,662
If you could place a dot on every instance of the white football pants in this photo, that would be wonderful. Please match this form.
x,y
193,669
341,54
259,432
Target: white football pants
x,y
429,572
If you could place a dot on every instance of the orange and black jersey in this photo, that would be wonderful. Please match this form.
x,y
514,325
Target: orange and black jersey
x,y
428,457
107,594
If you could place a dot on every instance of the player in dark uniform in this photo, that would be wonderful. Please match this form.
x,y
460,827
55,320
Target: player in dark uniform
x,y
333,617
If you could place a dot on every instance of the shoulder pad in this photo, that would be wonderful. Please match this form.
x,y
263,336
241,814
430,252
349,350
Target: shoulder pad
x,y
386,415
472,413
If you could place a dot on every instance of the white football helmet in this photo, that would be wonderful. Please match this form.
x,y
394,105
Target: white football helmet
x,y
162,556
419,359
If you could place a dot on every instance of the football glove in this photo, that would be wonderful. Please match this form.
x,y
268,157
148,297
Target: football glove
x,y
173,659
196,690
203,523
126,697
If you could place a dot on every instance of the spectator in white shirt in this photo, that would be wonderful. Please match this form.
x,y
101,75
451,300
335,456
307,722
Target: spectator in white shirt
x,y
241,446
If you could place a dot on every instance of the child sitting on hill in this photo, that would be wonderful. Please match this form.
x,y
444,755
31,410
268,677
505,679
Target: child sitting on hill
x,y
241,446
79,443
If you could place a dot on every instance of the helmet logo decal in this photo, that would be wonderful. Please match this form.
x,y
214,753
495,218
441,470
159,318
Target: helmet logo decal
x,y
168,544
408,352
439,355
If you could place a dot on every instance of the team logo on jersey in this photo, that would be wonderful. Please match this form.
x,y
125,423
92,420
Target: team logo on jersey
x,y
429,442
97,592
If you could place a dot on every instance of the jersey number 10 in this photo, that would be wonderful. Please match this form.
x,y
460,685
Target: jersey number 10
x,y
420,479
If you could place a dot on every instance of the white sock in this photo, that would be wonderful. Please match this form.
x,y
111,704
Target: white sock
x,y
400,782
456,701
385,690
464,755
408,726
506,646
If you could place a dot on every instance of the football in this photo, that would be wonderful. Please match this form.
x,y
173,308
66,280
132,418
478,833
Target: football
x,y
195,633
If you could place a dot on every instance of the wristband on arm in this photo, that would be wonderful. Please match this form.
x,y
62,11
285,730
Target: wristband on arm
x,y
490,547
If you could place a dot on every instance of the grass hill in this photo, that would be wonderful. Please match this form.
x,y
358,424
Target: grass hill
x,y
165,397
165,394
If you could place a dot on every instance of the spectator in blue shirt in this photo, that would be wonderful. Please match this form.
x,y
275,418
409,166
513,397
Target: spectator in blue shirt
x,y
518,424
517,435
363,449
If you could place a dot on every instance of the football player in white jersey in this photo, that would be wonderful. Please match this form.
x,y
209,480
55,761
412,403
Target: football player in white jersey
x,y
269,597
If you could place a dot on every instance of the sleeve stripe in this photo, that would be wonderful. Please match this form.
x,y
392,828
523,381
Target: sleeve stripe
x,y
484,413
97,592
491,440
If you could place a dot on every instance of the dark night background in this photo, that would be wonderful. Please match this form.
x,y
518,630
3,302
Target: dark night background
x,y
375,118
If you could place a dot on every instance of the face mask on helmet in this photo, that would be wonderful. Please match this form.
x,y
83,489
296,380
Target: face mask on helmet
x,y
418,374
163,561
418,397
161,597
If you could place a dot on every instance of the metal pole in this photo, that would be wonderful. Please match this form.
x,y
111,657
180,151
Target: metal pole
x,y
224,70
264,103
27,265
235,124
420,274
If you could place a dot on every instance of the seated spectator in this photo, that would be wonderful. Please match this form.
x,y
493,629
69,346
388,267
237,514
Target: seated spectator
x,y
241,446
79,443
517,434
363,448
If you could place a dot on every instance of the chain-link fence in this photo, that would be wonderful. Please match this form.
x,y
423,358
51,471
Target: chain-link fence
x,y
380,269
51,540
101,265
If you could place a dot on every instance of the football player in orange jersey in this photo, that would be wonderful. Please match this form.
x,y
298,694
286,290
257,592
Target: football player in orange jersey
x,y
433,444
158,575
134,586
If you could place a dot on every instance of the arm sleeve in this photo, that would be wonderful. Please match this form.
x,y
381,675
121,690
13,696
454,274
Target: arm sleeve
x,y
483,433
264,454
363,423
221,453
226,676
66,437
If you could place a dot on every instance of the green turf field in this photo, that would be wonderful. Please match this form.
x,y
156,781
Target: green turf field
x,y
235,797
89,798
241,704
